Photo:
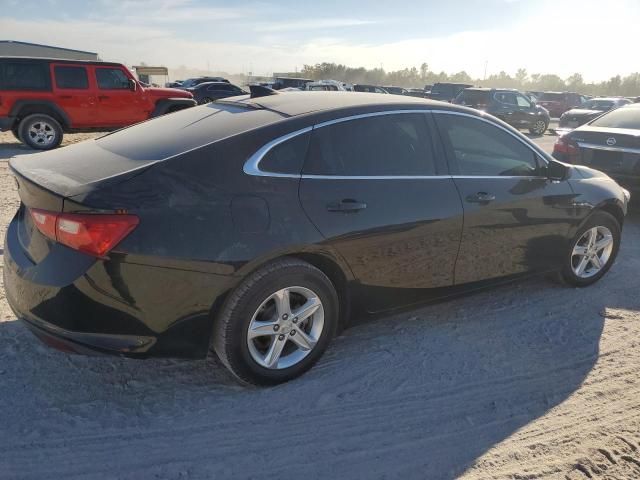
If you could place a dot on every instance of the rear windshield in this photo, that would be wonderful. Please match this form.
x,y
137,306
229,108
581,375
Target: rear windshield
x,y
473,98
179,132
620,118
553,97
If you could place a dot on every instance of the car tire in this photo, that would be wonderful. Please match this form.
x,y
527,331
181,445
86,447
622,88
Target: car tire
x,y
539,127
40,131
604,229
253,336
205,100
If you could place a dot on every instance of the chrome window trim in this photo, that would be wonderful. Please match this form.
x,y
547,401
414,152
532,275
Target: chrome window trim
x,y
593,146
252,165
374,177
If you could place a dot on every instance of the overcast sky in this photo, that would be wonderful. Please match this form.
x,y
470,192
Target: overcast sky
x,y
595,37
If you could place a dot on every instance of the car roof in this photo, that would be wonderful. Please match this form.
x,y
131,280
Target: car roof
x,y
212,83
299,103
62,60
607,99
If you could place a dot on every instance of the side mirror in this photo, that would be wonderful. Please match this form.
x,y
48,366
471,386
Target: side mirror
x,y
133,85
556,170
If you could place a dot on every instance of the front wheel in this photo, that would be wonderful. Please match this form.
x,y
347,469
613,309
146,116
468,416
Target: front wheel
x,y
539,127
593,250
277,323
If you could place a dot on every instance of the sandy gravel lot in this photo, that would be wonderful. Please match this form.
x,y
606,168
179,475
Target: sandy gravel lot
x,y
528,381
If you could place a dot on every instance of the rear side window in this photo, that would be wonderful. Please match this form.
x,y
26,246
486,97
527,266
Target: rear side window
x,y
473,98
112,79
382,145
287,157
481,149
71,77
24,76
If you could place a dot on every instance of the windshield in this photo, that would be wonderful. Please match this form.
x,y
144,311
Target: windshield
x,y
188,83
552,97
602,105
620,118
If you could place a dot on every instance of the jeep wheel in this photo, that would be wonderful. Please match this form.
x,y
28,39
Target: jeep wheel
x,y
40,131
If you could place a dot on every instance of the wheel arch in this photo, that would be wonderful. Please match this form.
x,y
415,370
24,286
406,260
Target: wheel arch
x,y
23,108
613,208
328,262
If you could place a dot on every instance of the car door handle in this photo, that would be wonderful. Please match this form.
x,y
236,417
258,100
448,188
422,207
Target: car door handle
x,y
481,197
102,97
66,97
347,205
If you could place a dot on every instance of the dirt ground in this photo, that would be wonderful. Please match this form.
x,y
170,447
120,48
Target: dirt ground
x,y
527,381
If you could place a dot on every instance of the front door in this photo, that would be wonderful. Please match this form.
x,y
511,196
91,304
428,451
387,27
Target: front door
x,y
373,188
118,104
74,94
516,220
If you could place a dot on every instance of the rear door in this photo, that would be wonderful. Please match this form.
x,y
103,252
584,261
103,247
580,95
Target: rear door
x,y
74,94
516,220
118,104
375,189
506,107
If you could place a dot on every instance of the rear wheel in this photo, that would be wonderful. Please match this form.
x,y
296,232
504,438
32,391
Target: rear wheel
x,y
538,127
40,131
593,250
277,323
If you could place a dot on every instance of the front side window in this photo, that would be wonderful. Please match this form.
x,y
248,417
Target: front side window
x,y
112,79
507,98
482,149
381,145
71,78
523,102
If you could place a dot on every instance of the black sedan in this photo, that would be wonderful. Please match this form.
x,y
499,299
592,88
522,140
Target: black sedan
x,y
258,227
589,111
610,143
211,91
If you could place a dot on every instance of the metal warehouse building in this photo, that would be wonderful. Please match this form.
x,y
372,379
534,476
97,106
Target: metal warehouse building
x,y
11,48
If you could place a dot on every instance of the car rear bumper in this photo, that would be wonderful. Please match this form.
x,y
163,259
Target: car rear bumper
x,y
77,303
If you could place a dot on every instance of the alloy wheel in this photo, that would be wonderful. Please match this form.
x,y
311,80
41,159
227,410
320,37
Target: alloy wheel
x,y
42,133
285,328
539,127
592,252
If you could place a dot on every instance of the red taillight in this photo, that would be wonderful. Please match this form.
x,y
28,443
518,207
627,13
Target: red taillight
x,y
566,147
94,234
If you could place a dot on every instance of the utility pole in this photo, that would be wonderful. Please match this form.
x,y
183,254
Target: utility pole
x,y
486,62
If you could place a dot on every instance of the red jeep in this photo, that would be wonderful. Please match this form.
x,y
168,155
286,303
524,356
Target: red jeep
x,y
42,98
